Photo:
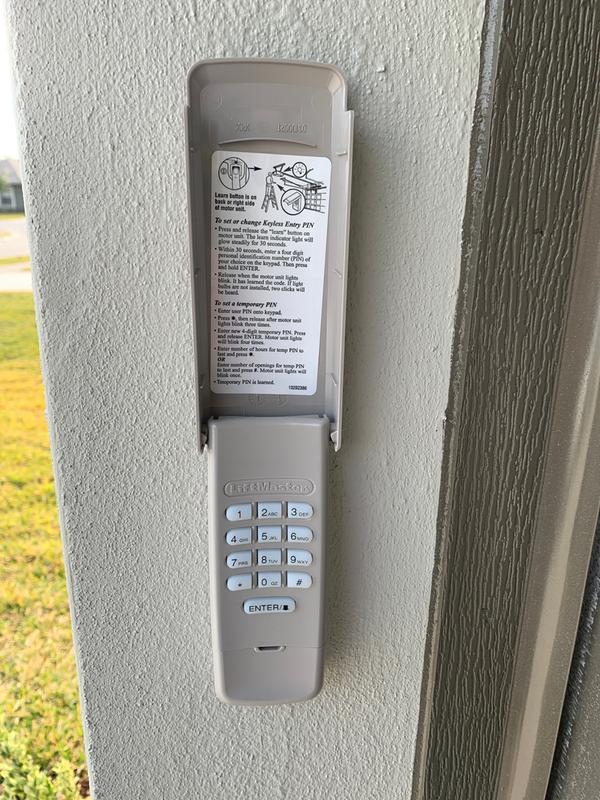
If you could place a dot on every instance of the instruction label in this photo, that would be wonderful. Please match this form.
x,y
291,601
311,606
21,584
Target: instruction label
x,y
268,240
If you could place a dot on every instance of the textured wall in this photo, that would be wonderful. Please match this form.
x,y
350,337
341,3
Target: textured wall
x,y
101,91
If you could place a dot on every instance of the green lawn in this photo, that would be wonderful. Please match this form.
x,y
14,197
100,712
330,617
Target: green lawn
x,y
11,215
41,750
8,260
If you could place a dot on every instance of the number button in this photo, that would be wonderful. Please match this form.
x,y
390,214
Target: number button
x,y
269,580
241,559
299,510
298,580
239,536
296,533
269,558
236,583
240,511
269,533
269,510
300,558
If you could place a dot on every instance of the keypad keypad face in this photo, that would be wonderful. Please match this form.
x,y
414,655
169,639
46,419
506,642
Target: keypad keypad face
x,y
266,566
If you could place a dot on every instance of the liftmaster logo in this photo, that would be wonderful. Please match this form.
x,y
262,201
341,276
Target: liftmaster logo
x,y
268,486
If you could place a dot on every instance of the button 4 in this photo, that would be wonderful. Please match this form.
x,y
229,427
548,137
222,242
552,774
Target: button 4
x,y
239,536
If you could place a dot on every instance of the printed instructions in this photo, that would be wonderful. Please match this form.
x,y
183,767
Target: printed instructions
x,y
268,239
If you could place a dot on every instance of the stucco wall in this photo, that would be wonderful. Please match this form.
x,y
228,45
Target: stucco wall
x,y
101,88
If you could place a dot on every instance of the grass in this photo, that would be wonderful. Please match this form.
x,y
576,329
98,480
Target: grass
x,y
14,260
11,215
41,750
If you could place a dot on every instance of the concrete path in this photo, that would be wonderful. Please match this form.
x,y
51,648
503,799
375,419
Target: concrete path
x,y
15,278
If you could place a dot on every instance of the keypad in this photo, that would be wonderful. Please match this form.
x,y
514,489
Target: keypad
x,y
262,561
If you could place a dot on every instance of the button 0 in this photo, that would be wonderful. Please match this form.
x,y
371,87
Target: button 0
x,y
269,510
299,510
269,605
241,559
297,533
239,536
236,583
298,580
269,580
300,558
240,511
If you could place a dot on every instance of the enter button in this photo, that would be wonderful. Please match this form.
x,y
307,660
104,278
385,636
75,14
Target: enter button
x,y
269,605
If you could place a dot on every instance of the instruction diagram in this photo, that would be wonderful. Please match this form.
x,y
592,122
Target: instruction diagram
x,y
268,245
299,192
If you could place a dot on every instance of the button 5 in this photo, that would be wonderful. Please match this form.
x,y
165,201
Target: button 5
x,y
240,511
269,533
269,605
297,533
299,558
269,510
242,558
235,583
298,580
299,510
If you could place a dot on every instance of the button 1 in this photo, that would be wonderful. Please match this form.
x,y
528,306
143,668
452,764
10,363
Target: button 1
x,y
297,533
300,558
298,580
240,511
242,558
268,558
236,583
239,536
269,533
269,605
269,510
269,580
299,510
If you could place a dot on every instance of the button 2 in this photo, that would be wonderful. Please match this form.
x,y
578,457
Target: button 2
x,y
299,510
238,512
269,510
269,605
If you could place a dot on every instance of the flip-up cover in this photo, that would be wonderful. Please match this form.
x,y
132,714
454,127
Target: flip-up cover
x,y
269,165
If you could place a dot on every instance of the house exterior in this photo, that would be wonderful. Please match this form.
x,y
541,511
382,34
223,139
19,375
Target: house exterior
x,y
11,194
